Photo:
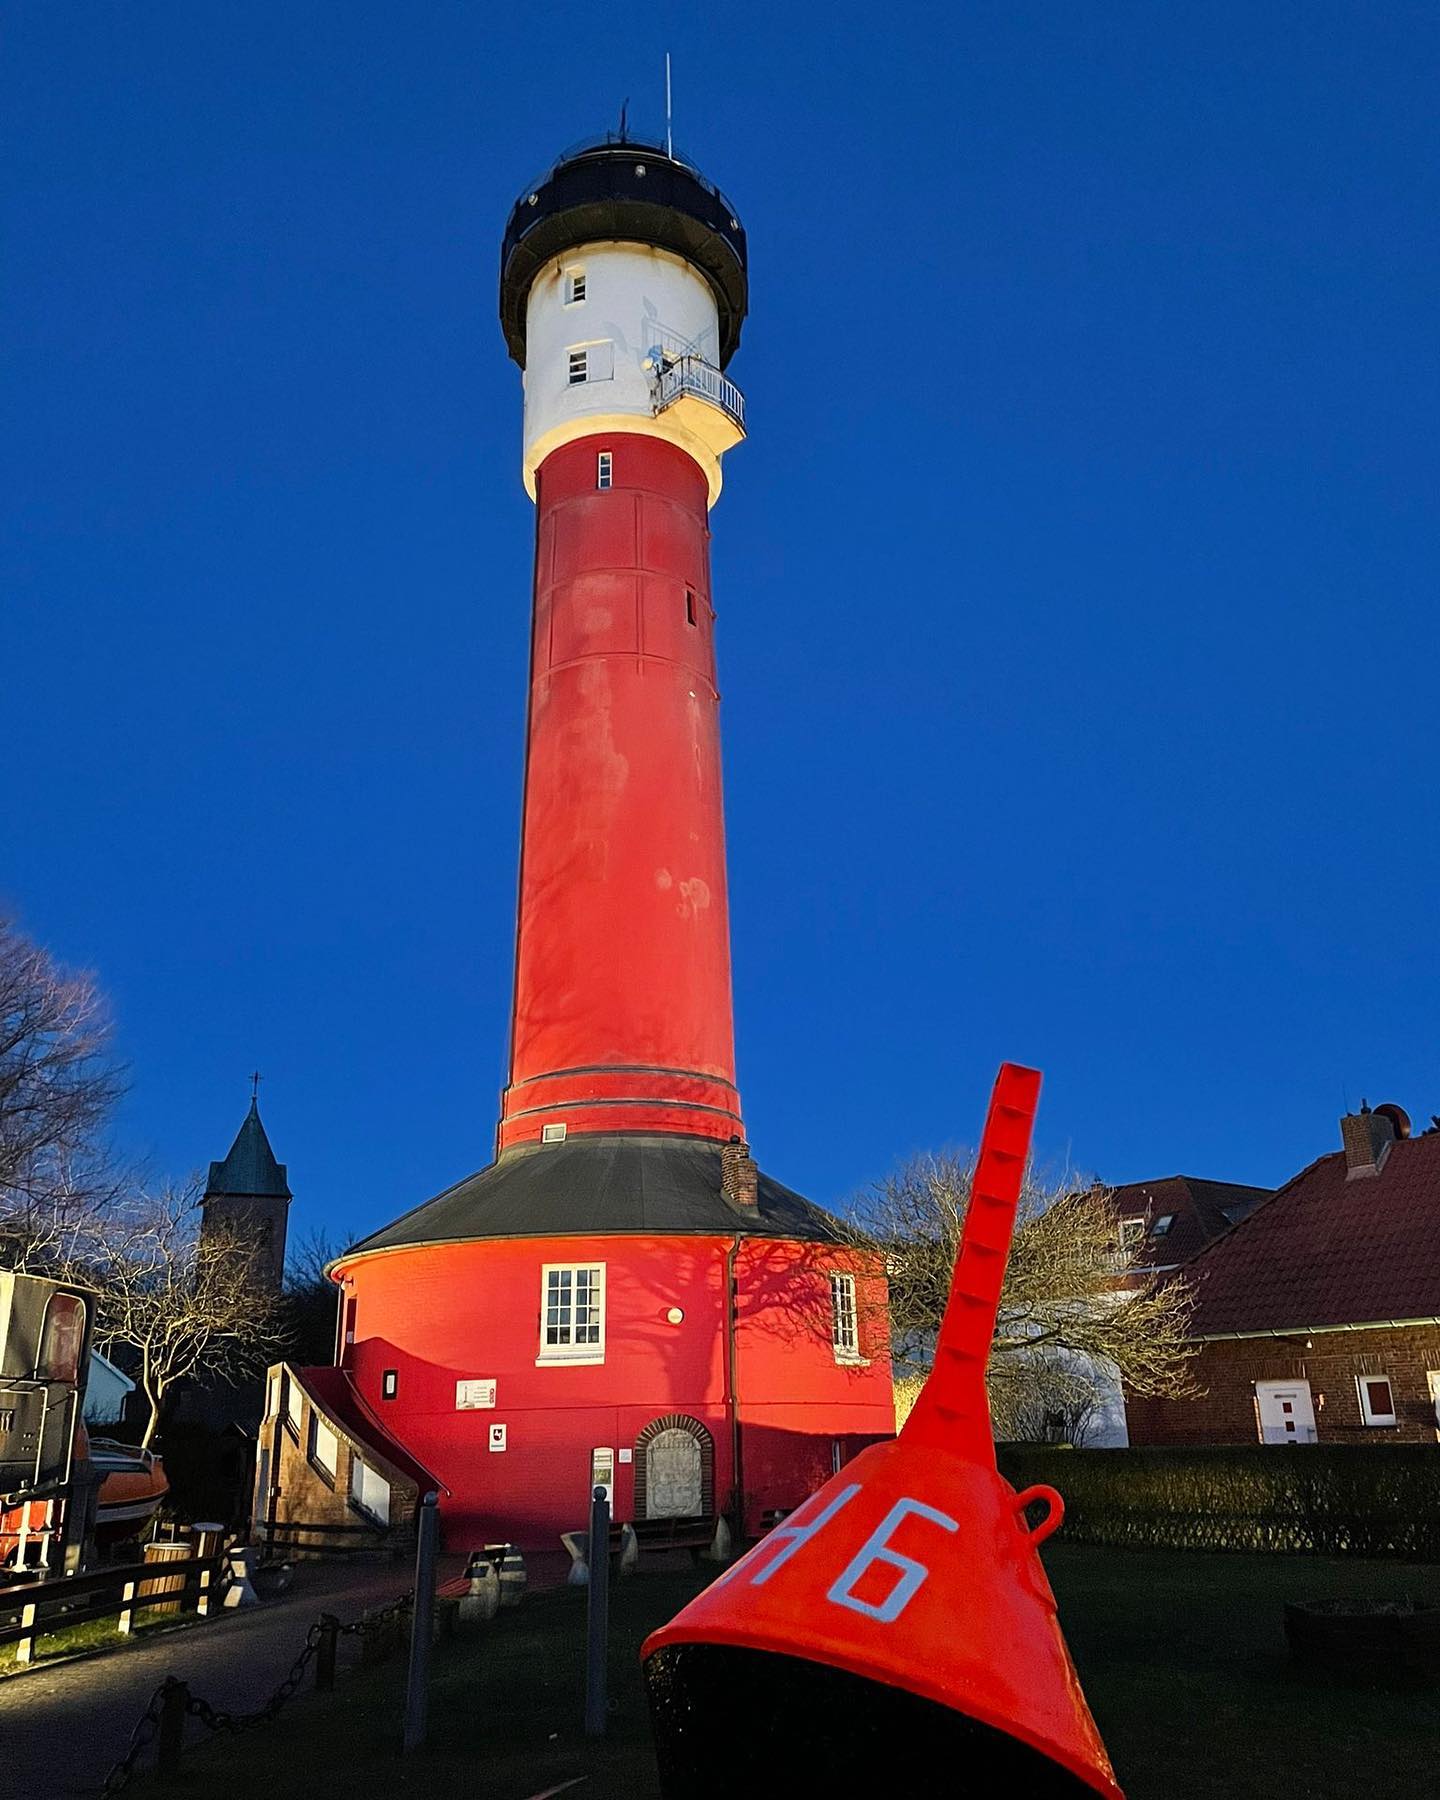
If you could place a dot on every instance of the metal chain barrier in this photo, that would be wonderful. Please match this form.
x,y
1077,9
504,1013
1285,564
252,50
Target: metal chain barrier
x,y
215,1719
140,1739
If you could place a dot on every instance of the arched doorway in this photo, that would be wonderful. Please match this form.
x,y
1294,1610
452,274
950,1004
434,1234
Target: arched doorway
x,y
674,1469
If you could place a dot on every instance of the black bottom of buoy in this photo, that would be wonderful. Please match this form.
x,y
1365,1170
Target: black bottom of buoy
x,y
747,1722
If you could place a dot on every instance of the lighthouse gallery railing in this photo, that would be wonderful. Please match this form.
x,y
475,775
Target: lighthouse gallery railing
x,y
693,375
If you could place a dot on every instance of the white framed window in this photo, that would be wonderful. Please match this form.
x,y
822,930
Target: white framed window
x,y
604,470
844,1320
389,1384
572,1312
324,1446
1131,1232
574,286
1377,1399
272,1395
1162,1225
590,362
369,1491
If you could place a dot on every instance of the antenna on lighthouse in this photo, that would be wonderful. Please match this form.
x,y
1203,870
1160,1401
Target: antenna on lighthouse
x,y
669,143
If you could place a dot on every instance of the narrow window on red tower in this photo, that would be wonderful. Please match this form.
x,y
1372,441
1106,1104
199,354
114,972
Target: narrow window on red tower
x,y
572,1312
389,1384
689,606
844,1323
604,469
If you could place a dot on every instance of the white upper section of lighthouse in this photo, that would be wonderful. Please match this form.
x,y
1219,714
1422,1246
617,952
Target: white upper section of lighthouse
x,y
624,337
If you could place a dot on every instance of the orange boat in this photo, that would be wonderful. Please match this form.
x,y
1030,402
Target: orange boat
x,y
133,1483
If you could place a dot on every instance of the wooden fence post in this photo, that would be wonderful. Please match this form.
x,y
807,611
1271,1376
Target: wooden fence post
x,y
325,1653
25,1649
171,1737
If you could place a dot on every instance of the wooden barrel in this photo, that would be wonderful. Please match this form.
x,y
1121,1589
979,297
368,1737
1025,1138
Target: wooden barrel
x,y
155,1585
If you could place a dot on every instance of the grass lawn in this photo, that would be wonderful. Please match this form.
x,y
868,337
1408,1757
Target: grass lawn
x,y
94,1634
1182,1655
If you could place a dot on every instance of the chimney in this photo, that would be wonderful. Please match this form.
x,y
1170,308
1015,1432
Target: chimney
x,y
739,1177
1367,1137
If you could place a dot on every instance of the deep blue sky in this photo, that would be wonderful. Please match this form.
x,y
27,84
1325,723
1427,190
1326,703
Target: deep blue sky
x,y
1077,585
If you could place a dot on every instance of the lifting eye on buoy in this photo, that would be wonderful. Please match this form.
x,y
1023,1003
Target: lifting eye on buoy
x,y
897,1630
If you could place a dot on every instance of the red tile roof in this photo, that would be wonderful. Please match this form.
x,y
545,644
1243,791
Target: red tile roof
x,y
1202,1211
1326,1251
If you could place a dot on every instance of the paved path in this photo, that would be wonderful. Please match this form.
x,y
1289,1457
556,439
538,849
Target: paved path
x,y
62,1728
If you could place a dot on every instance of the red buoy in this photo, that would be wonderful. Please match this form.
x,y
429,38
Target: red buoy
x,y
899,1623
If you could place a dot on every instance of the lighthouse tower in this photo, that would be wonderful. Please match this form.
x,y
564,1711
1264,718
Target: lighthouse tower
x,y
621,1289
623,289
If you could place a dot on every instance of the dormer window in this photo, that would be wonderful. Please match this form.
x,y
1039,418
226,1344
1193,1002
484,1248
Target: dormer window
x,y
1131,1232
574,287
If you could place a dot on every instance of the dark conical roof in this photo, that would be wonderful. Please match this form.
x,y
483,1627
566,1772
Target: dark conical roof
x,y
250,1168
602,1184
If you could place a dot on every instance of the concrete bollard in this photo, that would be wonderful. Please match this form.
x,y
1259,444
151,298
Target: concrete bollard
x,y
482,1602
721,1548
578,1544
512,1574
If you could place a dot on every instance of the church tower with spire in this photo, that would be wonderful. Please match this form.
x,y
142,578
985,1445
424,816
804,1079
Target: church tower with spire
x,y
248,1197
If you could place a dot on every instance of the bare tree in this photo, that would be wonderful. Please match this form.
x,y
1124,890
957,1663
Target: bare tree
x,y
311,1300
186,1305
57,1090
1070,1322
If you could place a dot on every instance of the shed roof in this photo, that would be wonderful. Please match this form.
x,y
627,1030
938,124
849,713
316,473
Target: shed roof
x,y
1327,1251
602,1184
337,1397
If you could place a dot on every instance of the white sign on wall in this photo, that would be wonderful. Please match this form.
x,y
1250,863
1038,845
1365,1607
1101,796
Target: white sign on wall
x,y
471,1396
628,1455
497,1437
602,1473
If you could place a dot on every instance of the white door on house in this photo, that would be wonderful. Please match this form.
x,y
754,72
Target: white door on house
x,y
1287,1414
673,1485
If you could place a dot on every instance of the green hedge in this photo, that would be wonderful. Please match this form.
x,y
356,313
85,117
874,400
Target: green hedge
x,y
1332,1500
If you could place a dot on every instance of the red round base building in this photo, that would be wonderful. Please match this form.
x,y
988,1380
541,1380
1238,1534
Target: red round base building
x,y
621,1289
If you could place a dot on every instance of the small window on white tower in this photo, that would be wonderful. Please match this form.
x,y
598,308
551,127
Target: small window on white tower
x,y
574,287
604,469
591,362
572,1312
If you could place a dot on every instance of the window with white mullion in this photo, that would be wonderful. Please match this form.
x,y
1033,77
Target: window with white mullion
x,y
844,1322
572,1310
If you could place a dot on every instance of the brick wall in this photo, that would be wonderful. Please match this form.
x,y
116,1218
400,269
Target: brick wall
x,y
1228,1371
304,1494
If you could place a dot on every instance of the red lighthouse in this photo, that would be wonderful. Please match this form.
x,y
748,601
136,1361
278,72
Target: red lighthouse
x,y
621,1280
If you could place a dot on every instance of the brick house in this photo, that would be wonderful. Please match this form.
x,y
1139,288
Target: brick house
x,y
1165,1223
1319,1312
329,1477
